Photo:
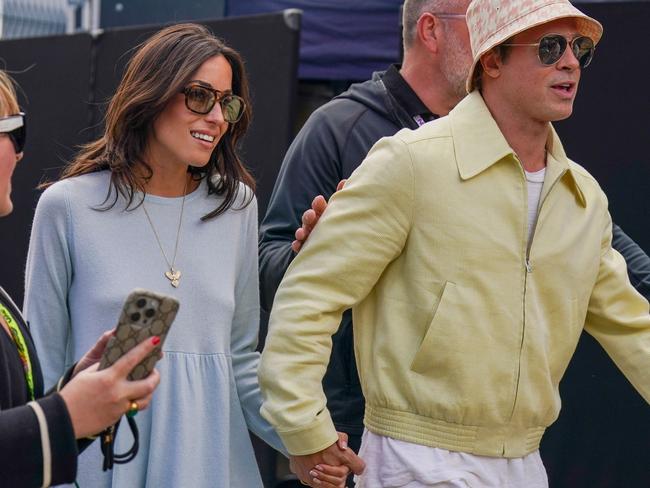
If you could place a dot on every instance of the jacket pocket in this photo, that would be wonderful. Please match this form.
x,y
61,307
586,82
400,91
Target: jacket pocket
x,y
467,353
423,360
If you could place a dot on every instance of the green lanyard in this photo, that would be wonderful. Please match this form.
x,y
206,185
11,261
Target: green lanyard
x,y
21,345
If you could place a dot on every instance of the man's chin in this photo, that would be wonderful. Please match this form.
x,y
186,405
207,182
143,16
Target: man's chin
x,y
563,116
561,113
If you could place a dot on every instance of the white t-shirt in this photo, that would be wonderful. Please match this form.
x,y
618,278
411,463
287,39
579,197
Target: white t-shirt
x,y
535,182
391,463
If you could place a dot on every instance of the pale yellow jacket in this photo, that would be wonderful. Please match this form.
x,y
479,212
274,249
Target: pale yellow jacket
x,y
462,329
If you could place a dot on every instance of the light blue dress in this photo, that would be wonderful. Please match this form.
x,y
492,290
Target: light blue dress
x,y
83,262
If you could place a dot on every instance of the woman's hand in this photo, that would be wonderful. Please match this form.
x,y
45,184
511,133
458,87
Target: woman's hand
x,y
326,476
97,399
336,463
94,355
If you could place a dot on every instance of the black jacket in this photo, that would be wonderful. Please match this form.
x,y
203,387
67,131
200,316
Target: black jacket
x,y
638,263
21,451
332,143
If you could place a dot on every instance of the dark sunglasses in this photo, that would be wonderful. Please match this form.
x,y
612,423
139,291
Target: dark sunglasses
x,y
551,48
201,100
14,127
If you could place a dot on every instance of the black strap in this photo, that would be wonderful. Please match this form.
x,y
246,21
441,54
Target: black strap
x,y
108,445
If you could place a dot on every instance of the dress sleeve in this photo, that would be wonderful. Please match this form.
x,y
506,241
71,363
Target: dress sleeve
x,y
245,331
37,446
48,276
618,317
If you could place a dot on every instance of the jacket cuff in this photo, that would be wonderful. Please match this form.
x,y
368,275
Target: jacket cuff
x,y
63,446
82,444
313,438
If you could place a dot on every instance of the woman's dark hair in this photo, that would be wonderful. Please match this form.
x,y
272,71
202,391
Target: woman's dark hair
x,y
160,69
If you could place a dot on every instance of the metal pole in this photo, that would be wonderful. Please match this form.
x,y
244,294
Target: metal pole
x,y
96,13
2,16
85,15
70,12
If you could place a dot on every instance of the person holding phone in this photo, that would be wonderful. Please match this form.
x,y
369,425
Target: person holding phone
x,y
42,434
162,201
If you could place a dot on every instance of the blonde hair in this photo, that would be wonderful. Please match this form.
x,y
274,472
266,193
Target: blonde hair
x,y
8,99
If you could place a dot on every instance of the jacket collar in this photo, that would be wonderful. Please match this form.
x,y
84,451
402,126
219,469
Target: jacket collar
x,y
479,143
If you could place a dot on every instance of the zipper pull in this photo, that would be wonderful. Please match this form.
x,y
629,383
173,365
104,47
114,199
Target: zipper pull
x,y
529,267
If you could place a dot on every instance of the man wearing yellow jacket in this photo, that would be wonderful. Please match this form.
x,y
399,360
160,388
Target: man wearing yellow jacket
x,y
473,253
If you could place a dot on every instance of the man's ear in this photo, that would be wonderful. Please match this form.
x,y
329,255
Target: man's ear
x,y
428,31
491,63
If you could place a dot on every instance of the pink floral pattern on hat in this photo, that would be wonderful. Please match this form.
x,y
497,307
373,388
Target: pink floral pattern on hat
x,y
492,22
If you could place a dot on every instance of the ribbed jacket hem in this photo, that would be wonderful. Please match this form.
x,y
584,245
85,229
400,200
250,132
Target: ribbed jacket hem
x,y
507,441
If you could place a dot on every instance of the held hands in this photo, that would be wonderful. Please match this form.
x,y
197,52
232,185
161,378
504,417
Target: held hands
x,y
310,218
328,468
97,399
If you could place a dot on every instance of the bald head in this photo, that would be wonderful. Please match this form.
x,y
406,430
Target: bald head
x,y
413,9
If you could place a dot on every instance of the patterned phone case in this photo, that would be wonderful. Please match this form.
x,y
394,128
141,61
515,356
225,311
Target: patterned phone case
x,y
144,314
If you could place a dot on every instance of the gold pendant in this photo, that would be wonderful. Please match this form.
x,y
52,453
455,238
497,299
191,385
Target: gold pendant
x,y
173,275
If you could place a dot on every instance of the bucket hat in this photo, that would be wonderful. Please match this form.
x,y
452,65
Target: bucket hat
x,y
492,22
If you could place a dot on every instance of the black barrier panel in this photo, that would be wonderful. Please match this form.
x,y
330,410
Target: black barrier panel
x,y
73,77
602,437
269,45
608,131
55,91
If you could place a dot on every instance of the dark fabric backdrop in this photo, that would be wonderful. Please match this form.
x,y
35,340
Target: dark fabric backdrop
x,y
341,39
602,437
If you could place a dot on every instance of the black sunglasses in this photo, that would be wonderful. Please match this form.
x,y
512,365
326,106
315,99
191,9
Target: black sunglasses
x,y
551,48
201,100
14,127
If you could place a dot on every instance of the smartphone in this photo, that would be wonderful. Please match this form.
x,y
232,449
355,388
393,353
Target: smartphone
x,y
144,314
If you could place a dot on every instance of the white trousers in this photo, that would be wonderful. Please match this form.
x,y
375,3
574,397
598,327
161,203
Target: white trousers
x,y
397,464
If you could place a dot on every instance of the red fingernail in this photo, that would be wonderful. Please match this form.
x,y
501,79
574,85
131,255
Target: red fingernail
x,y
155,340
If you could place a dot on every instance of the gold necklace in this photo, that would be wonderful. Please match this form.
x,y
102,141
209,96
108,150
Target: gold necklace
x,y
172,274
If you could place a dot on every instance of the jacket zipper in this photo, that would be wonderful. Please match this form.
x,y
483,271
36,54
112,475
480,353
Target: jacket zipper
x,y
529,270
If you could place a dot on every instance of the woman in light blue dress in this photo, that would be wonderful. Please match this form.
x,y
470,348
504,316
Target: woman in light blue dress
x,y
163,202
